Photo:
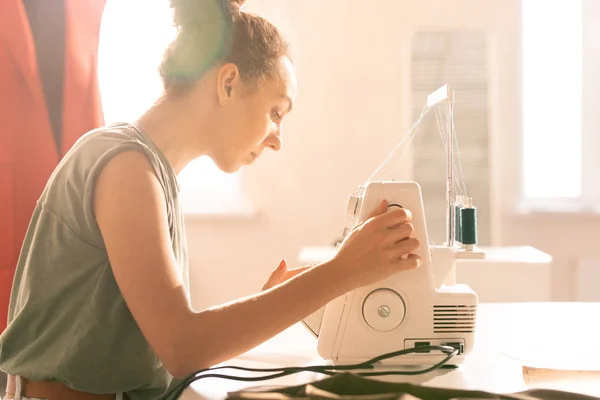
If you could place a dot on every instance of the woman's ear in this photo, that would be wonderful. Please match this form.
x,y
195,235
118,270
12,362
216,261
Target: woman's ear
x,y
228,79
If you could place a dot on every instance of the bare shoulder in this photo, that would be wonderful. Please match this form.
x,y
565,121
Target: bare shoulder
x,y
129,202
130,209
127,172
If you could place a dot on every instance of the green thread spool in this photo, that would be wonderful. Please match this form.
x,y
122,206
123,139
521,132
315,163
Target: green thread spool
x,y
468,217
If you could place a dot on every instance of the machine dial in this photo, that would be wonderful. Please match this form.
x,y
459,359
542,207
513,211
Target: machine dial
x,y
383,310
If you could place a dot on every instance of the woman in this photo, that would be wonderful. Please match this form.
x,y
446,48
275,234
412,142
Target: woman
x,y
100,303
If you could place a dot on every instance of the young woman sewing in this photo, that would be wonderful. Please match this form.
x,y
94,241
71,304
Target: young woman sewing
x,y
100,303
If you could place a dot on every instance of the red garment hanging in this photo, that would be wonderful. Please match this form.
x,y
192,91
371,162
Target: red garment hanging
x,y
28,150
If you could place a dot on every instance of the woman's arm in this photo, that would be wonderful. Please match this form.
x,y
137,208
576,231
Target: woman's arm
x,y
224,332
131,213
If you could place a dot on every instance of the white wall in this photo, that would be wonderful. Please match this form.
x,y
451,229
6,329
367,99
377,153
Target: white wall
x,y
352,108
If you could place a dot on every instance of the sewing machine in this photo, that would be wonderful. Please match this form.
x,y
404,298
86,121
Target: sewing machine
x,y
413,309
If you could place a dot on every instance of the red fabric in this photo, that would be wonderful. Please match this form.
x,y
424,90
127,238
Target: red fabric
x,y
28,153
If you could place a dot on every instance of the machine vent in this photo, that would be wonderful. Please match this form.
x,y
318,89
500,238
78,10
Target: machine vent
x,y
454,318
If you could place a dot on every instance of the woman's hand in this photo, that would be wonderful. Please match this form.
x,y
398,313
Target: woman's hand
x,y
380,246
282,274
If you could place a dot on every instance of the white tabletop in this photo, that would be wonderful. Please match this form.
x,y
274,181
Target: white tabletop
x,y
509,336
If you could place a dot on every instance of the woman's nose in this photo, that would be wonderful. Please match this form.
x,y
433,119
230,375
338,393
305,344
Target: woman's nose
x,y
274,142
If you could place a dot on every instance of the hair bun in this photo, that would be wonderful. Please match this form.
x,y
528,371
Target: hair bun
x,y
194,12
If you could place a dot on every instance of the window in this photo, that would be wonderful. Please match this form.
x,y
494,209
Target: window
x,y
133,36
558,147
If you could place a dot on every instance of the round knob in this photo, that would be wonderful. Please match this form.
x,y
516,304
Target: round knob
x,y
383,310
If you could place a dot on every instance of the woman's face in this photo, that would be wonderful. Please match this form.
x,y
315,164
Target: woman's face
x,y
250,118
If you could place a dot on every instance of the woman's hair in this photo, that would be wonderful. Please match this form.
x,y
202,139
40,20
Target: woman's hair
x,y
214,32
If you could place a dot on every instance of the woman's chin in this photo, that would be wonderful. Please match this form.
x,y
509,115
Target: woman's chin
x,y
230,169
231,166
234,166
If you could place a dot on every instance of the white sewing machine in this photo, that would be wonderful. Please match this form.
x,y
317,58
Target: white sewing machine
x,y
412,309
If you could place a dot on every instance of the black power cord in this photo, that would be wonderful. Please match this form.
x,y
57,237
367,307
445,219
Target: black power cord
x,y
449,351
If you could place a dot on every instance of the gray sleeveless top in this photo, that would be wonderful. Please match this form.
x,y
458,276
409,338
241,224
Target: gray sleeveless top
x,y
67,319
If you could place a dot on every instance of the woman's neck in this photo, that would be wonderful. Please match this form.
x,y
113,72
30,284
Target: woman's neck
x,y
167,123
